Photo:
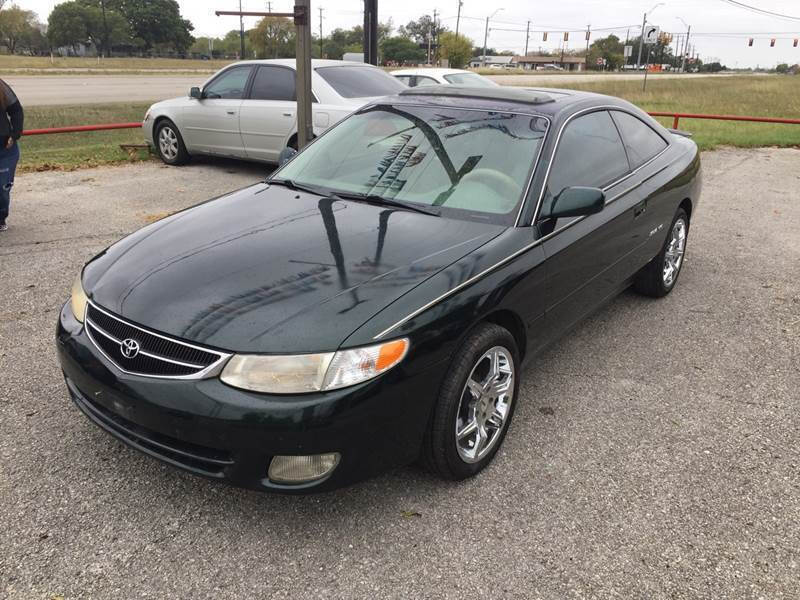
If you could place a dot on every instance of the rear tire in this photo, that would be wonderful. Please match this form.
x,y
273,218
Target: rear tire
x,y
475,405
169,144
659,276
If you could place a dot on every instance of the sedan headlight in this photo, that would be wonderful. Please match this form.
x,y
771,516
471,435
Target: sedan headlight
x,y
303,373
78,300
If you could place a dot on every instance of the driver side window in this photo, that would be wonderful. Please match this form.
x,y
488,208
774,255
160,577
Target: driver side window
x,y
230,85
590,153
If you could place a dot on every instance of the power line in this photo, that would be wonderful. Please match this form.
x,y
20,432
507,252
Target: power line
x,y
762,11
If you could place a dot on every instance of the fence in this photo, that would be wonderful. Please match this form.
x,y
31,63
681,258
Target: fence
x,y
676,117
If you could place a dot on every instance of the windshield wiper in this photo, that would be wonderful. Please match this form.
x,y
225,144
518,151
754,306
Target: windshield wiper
x,y
376,199
299,187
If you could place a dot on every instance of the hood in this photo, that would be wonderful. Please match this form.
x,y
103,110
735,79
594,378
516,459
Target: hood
x,y
267,269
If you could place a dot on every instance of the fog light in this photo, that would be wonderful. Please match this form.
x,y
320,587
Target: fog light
x,y
301,469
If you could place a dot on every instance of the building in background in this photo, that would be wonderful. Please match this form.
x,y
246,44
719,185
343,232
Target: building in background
x,y
550,63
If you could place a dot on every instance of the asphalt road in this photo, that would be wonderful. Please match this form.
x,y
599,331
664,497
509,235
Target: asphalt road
x,y
654,452
38,90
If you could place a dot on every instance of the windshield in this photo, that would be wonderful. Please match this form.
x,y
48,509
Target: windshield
x,y
472,79
360,82
472,164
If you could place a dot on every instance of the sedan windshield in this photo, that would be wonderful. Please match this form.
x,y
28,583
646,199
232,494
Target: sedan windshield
x,y
471,79
472,164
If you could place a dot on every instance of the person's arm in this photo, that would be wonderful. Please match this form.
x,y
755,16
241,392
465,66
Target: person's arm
x,y
17,117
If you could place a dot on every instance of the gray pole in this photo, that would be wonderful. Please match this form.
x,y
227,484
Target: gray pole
x,y
683,55
527,36
305,130
641,42
241,32
458,16
485,39
320,32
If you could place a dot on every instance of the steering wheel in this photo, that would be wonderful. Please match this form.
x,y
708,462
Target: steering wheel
x,y
495,180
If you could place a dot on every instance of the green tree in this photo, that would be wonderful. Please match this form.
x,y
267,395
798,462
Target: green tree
x,y
154,22
610,49
782,68
456,49
273,37
15,24
82,22
401,50
421,29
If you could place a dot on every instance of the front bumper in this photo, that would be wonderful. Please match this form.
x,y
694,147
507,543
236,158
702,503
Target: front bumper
x,y
213,430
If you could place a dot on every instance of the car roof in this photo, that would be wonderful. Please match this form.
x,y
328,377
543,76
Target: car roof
x,y
539,101
429,71
315,63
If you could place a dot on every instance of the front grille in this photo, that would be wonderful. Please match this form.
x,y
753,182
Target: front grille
x,y
194,457
147,353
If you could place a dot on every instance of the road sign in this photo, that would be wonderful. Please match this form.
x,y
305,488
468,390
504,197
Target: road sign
x,y
628,51
651,34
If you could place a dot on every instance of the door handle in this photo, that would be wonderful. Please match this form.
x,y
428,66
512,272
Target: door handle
x,y
288,114
231,112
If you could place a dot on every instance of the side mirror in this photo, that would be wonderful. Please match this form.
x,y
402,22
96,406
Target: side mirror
x,y
195,93
286,155
578,202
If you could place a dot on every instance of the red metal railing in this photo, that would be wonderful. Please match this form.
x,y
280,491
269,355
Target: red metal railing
x,y
676,117
76,128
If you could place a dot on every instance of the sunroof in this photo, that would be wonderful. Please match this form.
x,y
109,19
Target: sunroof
x,y
500,93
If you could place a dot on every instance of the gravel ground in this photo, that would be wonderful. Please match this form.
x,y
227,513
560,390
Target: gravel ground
x,y
653,453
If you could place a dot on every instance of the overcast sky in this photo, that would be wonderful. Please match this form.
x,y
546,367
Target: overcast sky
x,y
710,21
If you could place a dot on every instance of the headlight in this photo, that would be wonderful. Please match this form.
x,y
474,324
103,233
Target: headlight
x,y
305,373
78,300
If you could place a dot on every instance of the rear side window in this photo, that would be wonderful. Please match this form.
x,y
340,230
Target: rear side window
x,y
360,82
590,154
273,83
404,78
641,141
422,80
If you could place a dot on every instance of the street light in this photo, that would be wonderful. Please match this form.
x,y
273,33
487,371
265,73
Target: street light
x,y
685,44
486,34
641,37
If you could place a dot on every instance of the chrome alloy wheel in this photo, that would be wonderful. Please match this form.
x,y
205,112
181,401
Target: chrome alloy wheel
x,y
673,257
168,142
485,404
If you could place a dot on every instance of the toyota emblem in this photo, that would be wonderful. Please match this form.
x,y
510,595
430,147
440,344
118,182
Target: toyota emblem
x,y
129,348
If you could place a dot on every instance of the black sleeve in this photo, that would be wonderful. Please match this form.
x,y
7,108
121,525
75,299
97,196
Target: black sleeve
x,y
16,115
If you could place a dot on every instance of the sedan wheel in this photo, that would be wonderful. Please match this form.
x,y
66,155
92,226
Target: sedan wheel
x,y
673,257
485,404
169,144
475,405
660,275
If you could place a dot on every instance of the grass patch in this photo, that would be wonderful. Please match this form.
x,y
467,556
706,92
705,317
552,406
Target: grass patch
x,y
77,150
115,64
761,96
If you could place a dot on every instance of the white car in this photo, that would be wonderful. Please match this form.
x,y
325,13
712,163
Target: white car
x,y
415,77
248,109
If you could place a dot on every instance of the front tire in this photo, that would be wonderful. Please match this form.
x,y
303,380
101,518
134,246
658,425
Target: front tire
x,y
660,275
169,144
475,405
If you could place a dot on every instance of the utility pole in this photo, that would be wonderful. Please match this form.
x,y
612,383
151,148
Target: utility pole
x,y
106,43
527,36
241,32
371,32
485,40
458,16
588,35
435,37
683,58
430,34
320,32
641,42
